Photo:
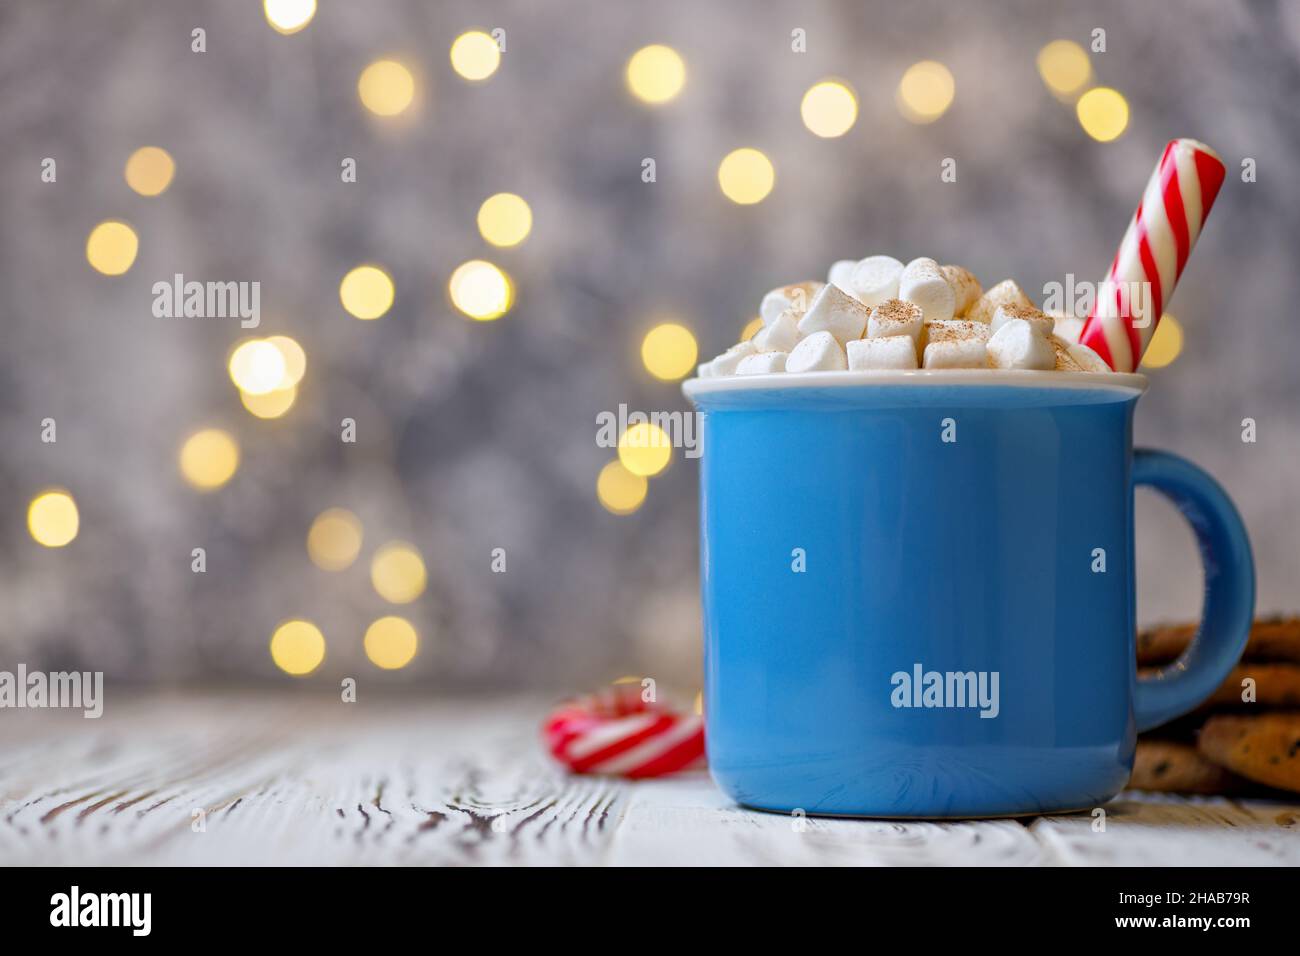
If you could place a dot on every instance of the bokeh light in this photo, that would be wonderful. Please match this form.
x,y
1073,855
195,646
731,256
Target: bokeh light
x,y
391,642
111,247
620,491
334,539
1103,113
505,219
297,647
397,572
209,458
271,404
656,74
751,328
926,91
289,16
52,518
829,109
481,290
669,351
475,55
257,367
746,176
386,87
645,449
295,359
1064,67
1166,343
366,292
149,170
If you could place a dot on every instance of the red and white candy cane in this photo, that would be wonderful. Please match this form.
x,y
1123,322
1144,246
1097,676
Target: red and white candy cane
x,y
616,732
1159,239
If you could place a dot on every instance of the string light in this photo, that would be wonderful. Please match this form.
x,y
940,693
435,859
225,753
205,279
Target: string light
x,y
209,458
751,328
1103,113
295,359
297,647
271,404
386,87
829,109
619,491
111,247
334,539
1166,343
475,55
366,292
505,219
656,74
391,643
52,518
645,449
289,16
481,290
746,176
1064,67
257,367
926,91
669,351
397,572
149,170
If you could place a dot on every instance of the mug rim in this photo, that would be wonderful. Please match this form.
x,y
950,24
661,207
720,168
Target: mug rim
x,y
1129,382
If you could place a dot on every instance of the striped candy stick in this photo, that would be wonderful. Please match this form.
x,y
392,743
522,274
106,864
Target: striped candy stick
x,y
616,732
1159,239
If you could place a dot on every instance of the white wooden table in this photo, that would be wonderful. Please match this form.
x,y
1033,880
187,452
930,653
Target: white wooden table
x,y
292,778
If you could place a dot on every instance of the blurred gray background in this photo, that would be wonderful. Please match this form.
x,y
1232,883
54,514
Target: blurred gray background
x,y
481,435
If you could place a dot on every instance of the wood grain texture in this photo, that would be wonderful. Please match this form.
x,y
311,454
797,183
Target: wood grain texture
x,y
230,780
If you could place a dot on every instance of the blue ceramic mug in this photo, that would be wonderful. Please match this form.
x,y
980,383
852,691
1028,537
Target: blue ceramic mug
x,y
918,590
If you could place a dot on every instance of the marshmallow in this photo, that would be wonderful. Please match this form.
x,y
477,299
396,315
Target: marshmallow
x,y
1020,344
956,330
965,287
819,352
922,282
956,353
705,370
1065,362
835,311
779,335
725,364
841,274
1089,360
761,363
1005,292
796,296
894,352
1066,326
895,317
875,279
1003,314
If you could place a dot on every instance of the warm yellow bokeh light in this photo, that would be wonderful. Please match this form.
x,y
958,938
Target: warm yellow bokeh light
x,y
829,108
1166,343
1064,67
391,643
366,292
751,328
386,87
209,458
289,16
257,367
297,647
149,170
481,290
505,219
669,351
295,359
271,404
397,572
656,73
334,540
52,519
746,176
619,491
475,55
111,247
925,91
645,449
1103,113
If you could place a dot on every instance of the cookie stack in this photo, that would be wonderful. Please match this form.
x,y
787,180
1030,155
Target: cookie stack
x,y
1246,737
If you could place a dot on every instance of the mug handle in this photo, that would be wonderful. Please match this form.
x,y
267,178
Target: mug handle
x,y
1229,604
